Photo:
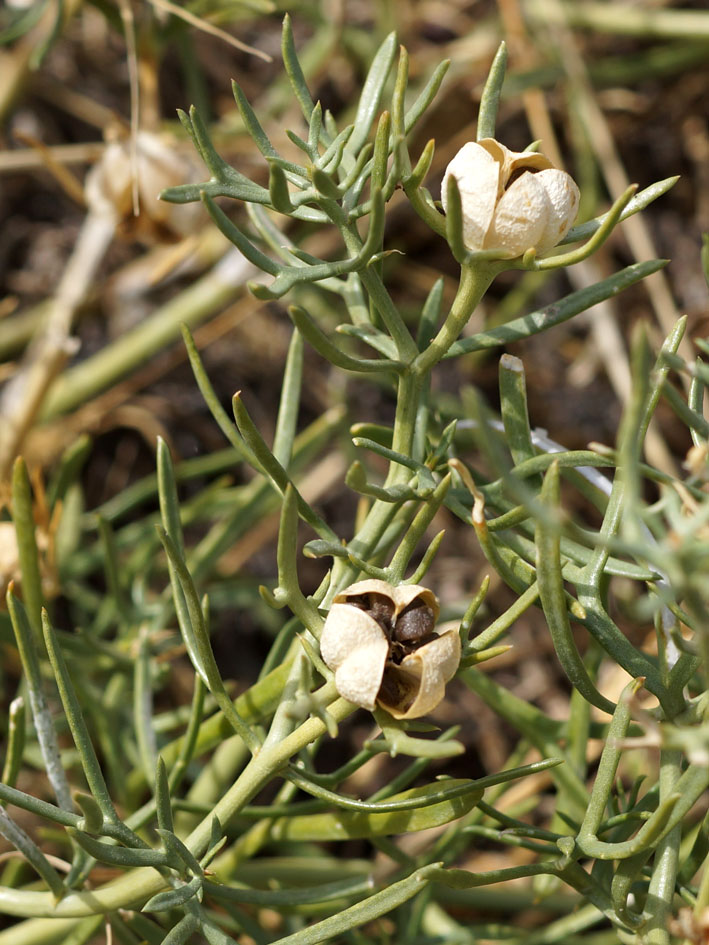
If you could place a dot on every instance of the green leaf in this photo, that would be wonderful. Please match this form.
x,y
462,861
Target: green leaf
x,y
235,236
163,804
80,734
93,819
312,333
15,835
350,887
551,594
372,92
273,470
346,825
125,857
15,741
174,898
43,722
372,336
558,312
426,96
23,520
490,100
294,71
200,649
641,200
179,934
278,189
371,908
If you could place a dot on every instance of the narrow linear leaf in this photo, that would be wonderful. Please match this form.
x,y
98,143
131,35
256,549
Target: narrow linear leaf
x,y
226,425
15,741
125,857
43,723
200,645
454,220
80,732
490,99
15,835
294,70
23,519
371,908
372,92
273,469
346,825
322,344
289,404
179,934
93,820
286,558
641,200
339,889
163,803
559,312
426,96
235,236
174,898
551,594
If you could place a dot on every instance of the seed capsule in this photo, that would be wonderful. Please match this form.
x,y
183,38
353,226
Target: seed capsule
x,y
381,643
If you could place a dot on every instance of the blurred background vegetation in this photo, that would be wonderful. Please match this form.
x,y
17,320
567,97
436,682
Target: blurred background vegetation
x,y
616,92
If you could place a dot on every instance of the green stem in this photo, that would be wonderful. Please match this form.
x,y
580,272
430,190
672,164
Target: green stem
x,y
474,283
135,888
381,513
661,890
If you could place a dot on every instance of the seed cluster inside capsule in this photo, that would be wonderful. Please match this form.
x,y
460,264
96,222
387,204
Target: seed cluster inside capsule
x,y
411,628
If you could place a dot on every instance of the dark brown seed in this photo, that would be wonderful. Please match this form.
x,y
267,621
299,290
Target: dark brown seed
x,y
381,608
391,690
378,606
414,624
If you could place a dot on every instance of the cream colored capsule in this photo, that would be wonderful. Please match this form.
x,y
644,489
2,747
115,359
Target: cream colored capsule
x,y
383,647
157,164
511,201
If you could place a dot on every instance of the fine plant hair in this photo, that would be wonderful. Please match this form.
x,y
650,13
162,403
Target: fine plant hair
x,y
195,857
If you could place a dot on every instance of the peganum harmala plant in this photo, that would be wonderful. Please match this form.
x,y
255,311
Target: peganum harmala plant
x,y
189,855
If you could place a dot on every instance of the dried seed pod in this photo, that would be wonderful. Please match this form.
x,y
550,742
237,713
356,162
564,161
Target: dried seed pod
x,y
511,201
382,644
157,165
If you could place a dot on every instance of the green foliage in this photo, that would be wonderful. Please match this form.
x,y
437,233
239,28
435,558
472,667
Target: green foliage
x,y
185,847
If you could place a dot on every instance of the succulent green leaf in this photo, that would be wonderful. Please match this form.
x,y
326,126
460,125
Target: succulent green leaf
x,y
312,333
331,158
181,933
253,125
552,597
15,741
372,92
122,856
93,819
24,522
278,189
22,842
315,129
372,336
559,312
174,898
294,70
641,200
235,236
346,825
490,100
426,96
